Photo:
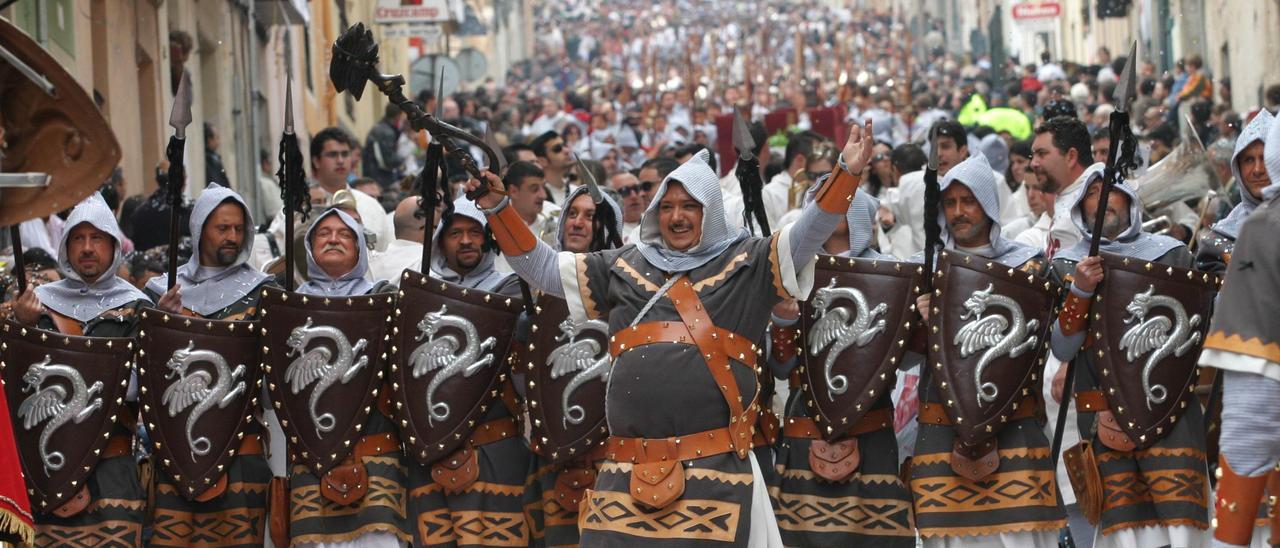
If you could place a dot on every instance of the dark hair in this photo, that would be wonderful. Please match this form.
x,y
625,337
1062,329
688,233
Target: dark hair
x,y
110,195
390,111
799,144
1163,133
1273,95
332,133
183,38
517,172
126,213
692,149
908,158
362,181
512,152
1146,87
539,144
953,129
760,135
664,165
38,259
208,133
1059,108
1069,133
1100,134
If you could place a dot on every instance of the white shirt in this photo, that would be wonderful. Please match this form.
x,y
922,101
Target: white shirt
x,y
1062,232
731,192
775,196
1032,234
906,203
399,255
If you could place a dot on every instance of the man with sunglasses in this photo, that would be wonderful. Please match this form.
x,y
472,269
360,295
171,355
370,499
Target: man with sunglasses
x,y
634,201
556,161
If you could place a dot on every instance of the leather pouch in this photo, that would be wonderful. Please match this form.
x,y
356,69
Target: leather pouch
x,y
975,462
571,485
345,484
1086,481
456,472
834,462
278,510
1110,434
657,484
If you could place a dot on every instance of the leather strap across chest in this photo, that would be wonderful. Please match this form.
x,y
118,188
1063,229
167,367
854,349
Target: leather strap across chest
x,y
716,346
65,324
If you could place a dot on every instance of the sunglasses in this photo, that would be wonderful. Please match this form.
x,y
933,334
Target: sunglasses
x,y
636,189
879,157
557,149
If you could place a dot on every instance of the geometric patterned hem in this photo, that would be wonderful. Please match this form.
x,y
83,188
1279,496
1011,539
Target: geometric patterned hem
x,y
102,533
1194,523
1028,526
349,536
844,515
618,513
473,528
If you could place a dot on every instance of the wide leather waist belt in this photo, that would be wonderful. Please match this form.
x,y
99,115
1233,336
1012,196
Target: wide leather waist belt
x,y
693,446
807,428
936,413
493,431
735,346
118,446
376,444
1091,401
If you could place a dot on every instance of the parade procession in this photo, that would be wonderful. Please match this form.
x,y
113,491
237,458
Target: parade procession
x,y
606,273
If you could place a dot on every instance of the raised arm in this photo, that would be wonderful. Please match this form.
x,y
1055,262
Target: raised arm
x,y
820,217
530,258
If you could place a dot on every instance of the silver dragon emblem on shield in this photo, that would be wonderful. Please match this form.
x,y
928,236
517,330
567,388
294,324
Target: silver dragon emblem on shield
x,y
993,335
447,354
320,366
836,329
1158,335
53,404
584,358
200,389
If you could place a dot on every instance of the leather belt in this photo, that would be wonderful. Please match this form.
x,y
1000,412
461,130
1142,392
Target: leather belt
x,y
735,346
376,444
118,446
494,431
807,428
1091,401
693,446
251,444
794,380
936,413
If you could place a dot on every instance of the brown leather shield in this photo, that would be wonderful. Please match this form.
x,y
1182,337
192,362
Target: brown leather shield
x,y
1149,322
567,364
988,338
453,345
323,360
199,383
62,134
65,395
855,329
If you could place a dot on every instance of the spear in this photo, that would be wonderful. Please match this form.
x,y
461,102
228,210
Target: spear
x,y
179,119
19,264
293,190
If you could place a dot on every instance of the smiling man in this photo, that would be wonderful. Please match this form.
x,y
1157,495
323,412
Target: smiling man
x,y
683,305
92,301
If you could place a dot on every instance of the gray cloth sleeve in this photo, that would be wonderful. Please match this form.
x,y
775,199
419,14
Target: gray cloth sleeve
x,y
1250,422
540,269
810,231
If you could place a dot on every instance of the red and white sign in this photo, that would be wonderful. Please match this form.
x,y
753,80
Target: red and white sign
x,y
413,11
1036,10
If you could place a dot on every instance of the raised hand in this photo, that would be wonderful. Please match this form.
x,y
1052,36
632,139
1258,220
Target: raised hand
x,y
857,150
